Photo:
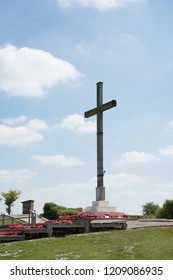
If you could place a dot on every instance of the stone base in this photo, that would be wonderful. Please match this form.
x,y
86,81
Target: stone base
x,y
100,206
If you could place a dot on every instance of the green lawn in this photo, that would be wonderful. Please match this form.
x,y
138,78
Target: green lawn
x,y
8,221
141,244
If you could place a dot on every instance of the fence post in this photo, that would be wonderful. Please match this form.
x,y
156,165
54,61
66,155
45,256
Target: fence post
x,y
49,229
3,219
87,225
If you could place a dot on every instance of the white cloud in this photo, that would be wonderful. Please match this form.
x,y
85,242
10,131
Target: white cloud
x,y
79,124
168,151
14,121
169,127
136,157
97,4
15,176
131,202
59,160
120,180
66,194
125,40
170,124
30,72
81,49
73,194
36,124
29,132
123,180
165,186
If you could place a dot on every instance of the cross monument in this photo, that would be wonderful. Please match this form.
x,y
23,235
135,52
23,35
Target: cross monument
x,y
100,204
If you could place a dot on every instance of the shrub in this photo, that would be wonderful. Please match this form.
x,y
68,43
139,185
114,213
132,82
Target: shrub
x,y
50,211
167,210
150,209
53,211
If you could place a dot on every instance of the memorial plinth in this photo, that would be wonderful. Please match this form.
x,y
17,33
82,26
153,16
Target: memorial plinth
x,y
101,206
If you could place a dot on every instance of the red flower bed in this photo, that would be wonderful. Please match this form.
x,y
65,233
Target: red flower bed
x,y
94,216
8,233
59,221
15,226
18,226
80,216
36,226
68,217
88,216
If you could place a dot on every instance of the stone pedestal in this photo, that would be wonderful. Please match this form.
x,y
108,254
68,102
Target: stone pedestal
x,y
100,206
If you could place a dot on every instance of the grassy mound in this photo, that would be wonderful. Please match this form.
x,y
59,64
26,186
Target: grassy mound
x,y
141,244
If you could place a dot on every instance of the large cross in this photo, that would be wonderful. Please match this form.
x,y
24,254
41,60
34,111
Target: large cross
x,y
100,190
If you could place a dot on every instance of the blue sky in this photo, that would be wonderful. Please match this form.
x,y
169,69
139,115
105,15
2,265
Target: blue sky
x,y
52,54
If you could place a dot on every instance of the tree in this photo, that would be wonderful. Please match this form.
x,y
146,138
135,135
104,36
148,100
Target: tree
x,y
150,209
167,210
50,210
10,197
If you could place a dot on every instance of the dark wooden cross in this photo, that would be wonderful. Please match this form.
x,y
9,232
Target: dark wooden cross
x,y
100,190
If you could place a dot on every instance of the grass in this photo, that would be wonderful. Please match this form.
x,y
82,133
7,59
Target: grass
x,y
8,221
141,244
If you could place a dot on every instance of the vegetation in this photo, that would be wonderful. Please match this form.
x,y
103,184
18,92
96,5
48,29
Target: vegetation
x,y
150,209
167,210
141,244
50,211
53,211
10,197
7,220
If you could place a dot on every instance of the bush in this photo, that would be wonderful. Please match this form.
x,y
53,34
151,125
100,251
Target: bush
x,y
150,209
52,211
167,210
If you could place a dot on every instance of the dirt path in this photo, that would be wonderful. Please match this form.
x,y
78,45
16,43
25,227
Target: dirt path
x,y
143,223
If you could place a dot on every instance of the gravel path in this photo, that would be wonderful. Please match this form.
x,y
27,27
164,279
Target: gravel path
x,y
143,223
